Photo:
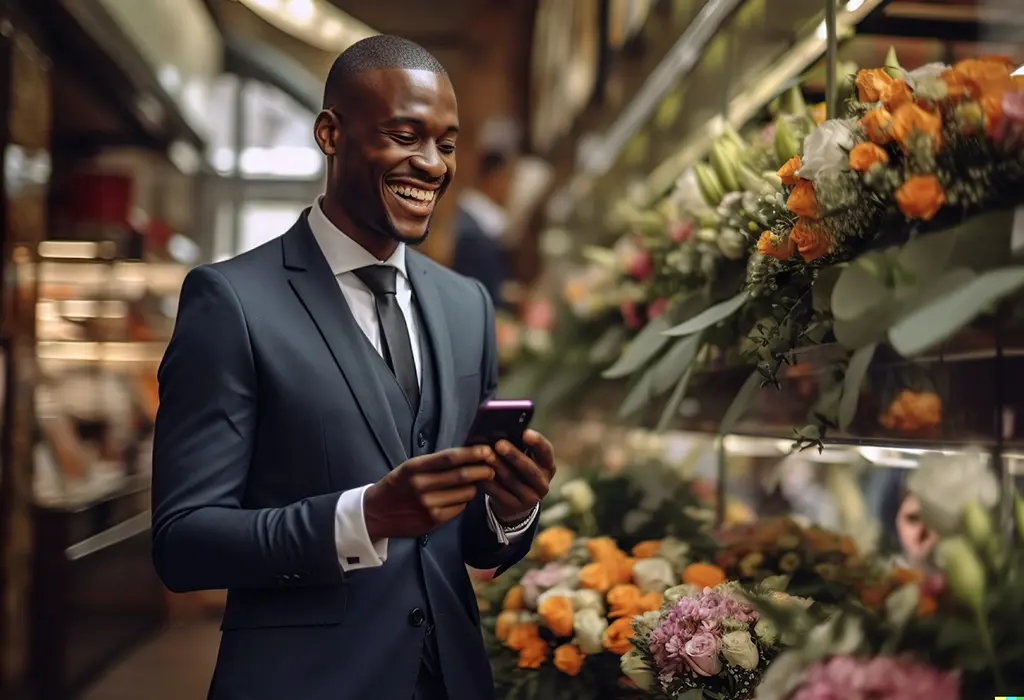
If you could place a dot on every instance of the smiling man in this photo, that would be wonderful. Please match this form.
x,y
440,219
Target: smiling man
x,y
314,400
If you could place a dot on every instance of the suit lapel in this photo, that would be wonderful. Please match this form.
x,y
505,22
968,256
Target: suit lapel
x,y
428,299
314,283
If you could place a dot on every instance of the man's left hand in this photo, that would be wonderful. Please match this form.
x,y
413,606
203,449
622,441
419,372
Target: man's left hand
x,y
520,480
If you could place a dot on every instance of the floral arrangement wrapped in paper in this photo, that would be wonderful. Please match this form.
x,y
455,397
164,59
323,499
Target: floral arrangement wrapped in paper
x,y
952,634
704,644
560,628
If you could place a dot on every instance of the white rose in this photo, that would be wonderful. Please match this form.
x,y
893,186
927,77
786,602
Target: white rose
x,y
676,593
653,575
647,622
561,591
826,149
766,631
635,668
579,495
555,514
739,650
589,626
588,599
732,243
945,484
676,551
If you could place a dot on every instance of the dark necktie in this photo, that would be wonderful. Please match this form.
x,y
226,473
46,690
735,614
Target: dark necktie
x,y
381,279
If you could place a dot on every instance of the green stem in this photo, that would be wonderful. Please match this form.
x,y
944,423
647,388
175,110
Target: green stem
x,y
990,651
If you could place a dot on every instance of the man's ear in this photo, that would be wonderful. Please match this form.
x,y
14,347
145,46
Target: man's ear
x,y
327,132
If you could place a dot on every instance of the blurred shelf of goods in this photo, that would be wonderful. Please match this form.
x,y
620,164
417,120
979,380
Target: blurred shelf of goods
x,y
782,274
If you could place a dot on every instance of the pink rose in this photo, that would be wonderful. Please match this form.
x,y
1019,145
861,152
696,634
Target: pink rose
x,y
1010,130
701,654
641,266
540,314
657,308
681,232
630,314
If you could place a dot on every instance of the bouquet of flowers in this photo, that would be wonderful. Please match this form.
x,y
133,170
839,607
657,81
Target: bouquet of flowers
x,y
812,561
704,643
951,634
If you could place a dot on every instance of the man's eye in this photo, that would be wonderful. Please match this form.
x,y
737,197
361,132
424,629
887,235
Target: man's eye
x,y
403,138
446,148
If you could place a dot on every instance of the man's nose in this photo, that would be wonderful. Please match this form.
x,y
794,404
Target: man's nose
x,y
429,161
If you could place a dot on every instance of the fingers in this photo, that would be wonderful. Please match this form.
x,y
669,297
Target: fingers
x,y
523,469
451,458
447,498
544,453
451,478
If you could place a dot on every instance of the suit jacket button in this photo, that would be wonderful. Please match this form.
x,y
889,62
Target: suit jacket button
x,y
421,440
417,617
423,540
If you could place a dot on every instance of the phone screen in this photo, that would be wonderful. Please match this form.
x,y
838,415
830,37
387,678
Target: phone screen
x,y
501,420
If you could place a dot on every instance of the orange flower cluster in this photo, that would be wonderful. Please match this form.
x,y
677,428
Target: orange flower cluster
x,y
704,575
913,412
554,543
806,237
610,566
627,600
873,596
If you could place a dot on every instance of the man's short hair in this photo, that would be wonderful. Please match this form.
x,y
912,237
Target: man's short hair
x,y
378,52
492,162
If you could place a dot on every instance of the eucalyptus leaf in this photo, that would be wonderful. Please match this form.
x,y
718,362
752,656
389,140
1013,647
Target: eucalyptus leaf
x,y
709,317
674,363
639,395
739,403
939,319
607,346
858,291
647,343
824,283
856,370
671,409
927,255
870,328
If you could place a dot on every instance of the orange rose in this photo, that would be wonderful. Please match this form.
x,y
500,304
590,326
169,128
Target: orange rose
x,y
623,567
1018,82
596,576
649,602
895,94
703,575
616,638
986,75
802,200
623,600
992,108
554,543
873,596
926,605
920,197
810,242
870,84
522,635
568,659
913,412
533,654
775,246
787,173
504,624
957,85
865,156
603,548
513,599
556,611
878,125
910,119
646,549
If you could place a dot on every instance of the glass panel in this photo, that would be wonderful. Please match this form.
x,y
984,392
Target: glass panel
x,y
278,136
262,221
221,150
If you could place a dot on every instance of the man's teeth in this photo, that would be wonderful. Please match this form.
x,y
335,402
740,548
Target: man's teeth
x,y
414,193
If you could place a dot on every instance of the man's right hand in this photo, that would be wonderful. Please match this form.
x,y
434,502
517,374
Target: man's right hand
x,y
424,492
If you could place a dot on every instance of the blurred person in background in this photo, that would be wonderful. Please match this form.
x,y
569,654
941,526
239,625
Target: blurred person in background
x,y
313,400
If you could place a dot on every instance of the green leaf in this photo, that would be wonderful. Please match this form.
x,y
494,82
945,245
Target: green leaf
x,y
939,319
640,350
858,291
739,403
639,396
856,370
671,409
824,283
870,328
674,363
691,694
926,256
709,317
607,346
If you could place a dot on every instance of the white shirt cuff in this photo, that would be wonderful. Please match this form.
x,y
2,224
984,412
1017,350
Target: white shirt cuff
x,y
355,550
508,534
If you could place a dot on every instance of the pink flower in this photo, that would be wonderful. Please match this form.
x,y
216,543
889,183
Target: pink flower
x,y
877,678
536,581
641,266
1013,107
657,307
630,314
681,232
540,315
701,654
1010,130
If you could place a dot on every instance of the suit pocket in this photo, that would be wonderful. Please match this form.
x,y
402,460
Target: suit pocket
x,y
301,606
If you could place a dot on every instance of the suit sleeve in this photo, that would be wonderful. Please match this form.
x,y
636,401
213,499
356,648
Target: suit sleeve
x,y
480,547
206,423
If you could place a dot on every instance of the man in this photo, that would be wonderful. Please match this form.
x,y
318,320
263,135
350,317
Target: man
x,y
313,399
480,223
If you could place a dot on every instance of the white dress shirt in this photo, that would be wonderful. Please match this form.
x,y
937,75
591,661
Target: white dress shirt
x,y
355,549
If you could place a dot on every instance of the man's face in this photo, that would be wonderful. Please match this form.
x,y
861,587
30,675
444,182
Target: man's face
x,y
394,150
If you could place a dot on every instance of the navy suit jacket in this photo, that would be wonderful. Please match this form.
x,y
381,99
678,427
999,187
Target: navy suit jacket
x,y
478,255
269,409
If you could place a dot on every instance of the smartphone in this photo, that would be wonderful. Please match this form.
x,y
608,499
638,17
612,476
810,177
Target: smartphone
x,y
501,420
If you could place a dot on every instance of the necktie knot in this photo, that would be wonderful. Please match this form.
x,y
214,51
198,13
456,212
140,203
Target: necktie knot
x,y
381,279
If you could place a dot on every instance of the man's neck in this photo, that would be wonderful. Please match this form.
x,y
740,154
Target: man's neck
x,y
380,247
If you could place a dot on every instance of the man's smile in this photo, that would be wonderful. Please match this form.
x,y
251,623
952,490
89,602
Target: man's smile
x,y
416,198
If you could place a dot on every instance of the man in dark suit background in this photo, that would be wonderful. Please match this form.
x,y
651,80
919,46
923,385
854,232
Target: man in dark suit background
x,y
481,221
314,399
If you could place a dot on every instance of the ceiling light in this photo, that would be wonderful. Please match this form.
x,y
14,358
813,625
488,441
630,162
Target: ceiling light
x,y
301,11
331,29
854,5
268,4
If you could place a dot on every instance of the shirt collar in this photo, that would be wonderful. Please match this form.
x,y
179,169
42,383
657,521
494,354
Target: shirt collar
x,y
342,253
489,216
